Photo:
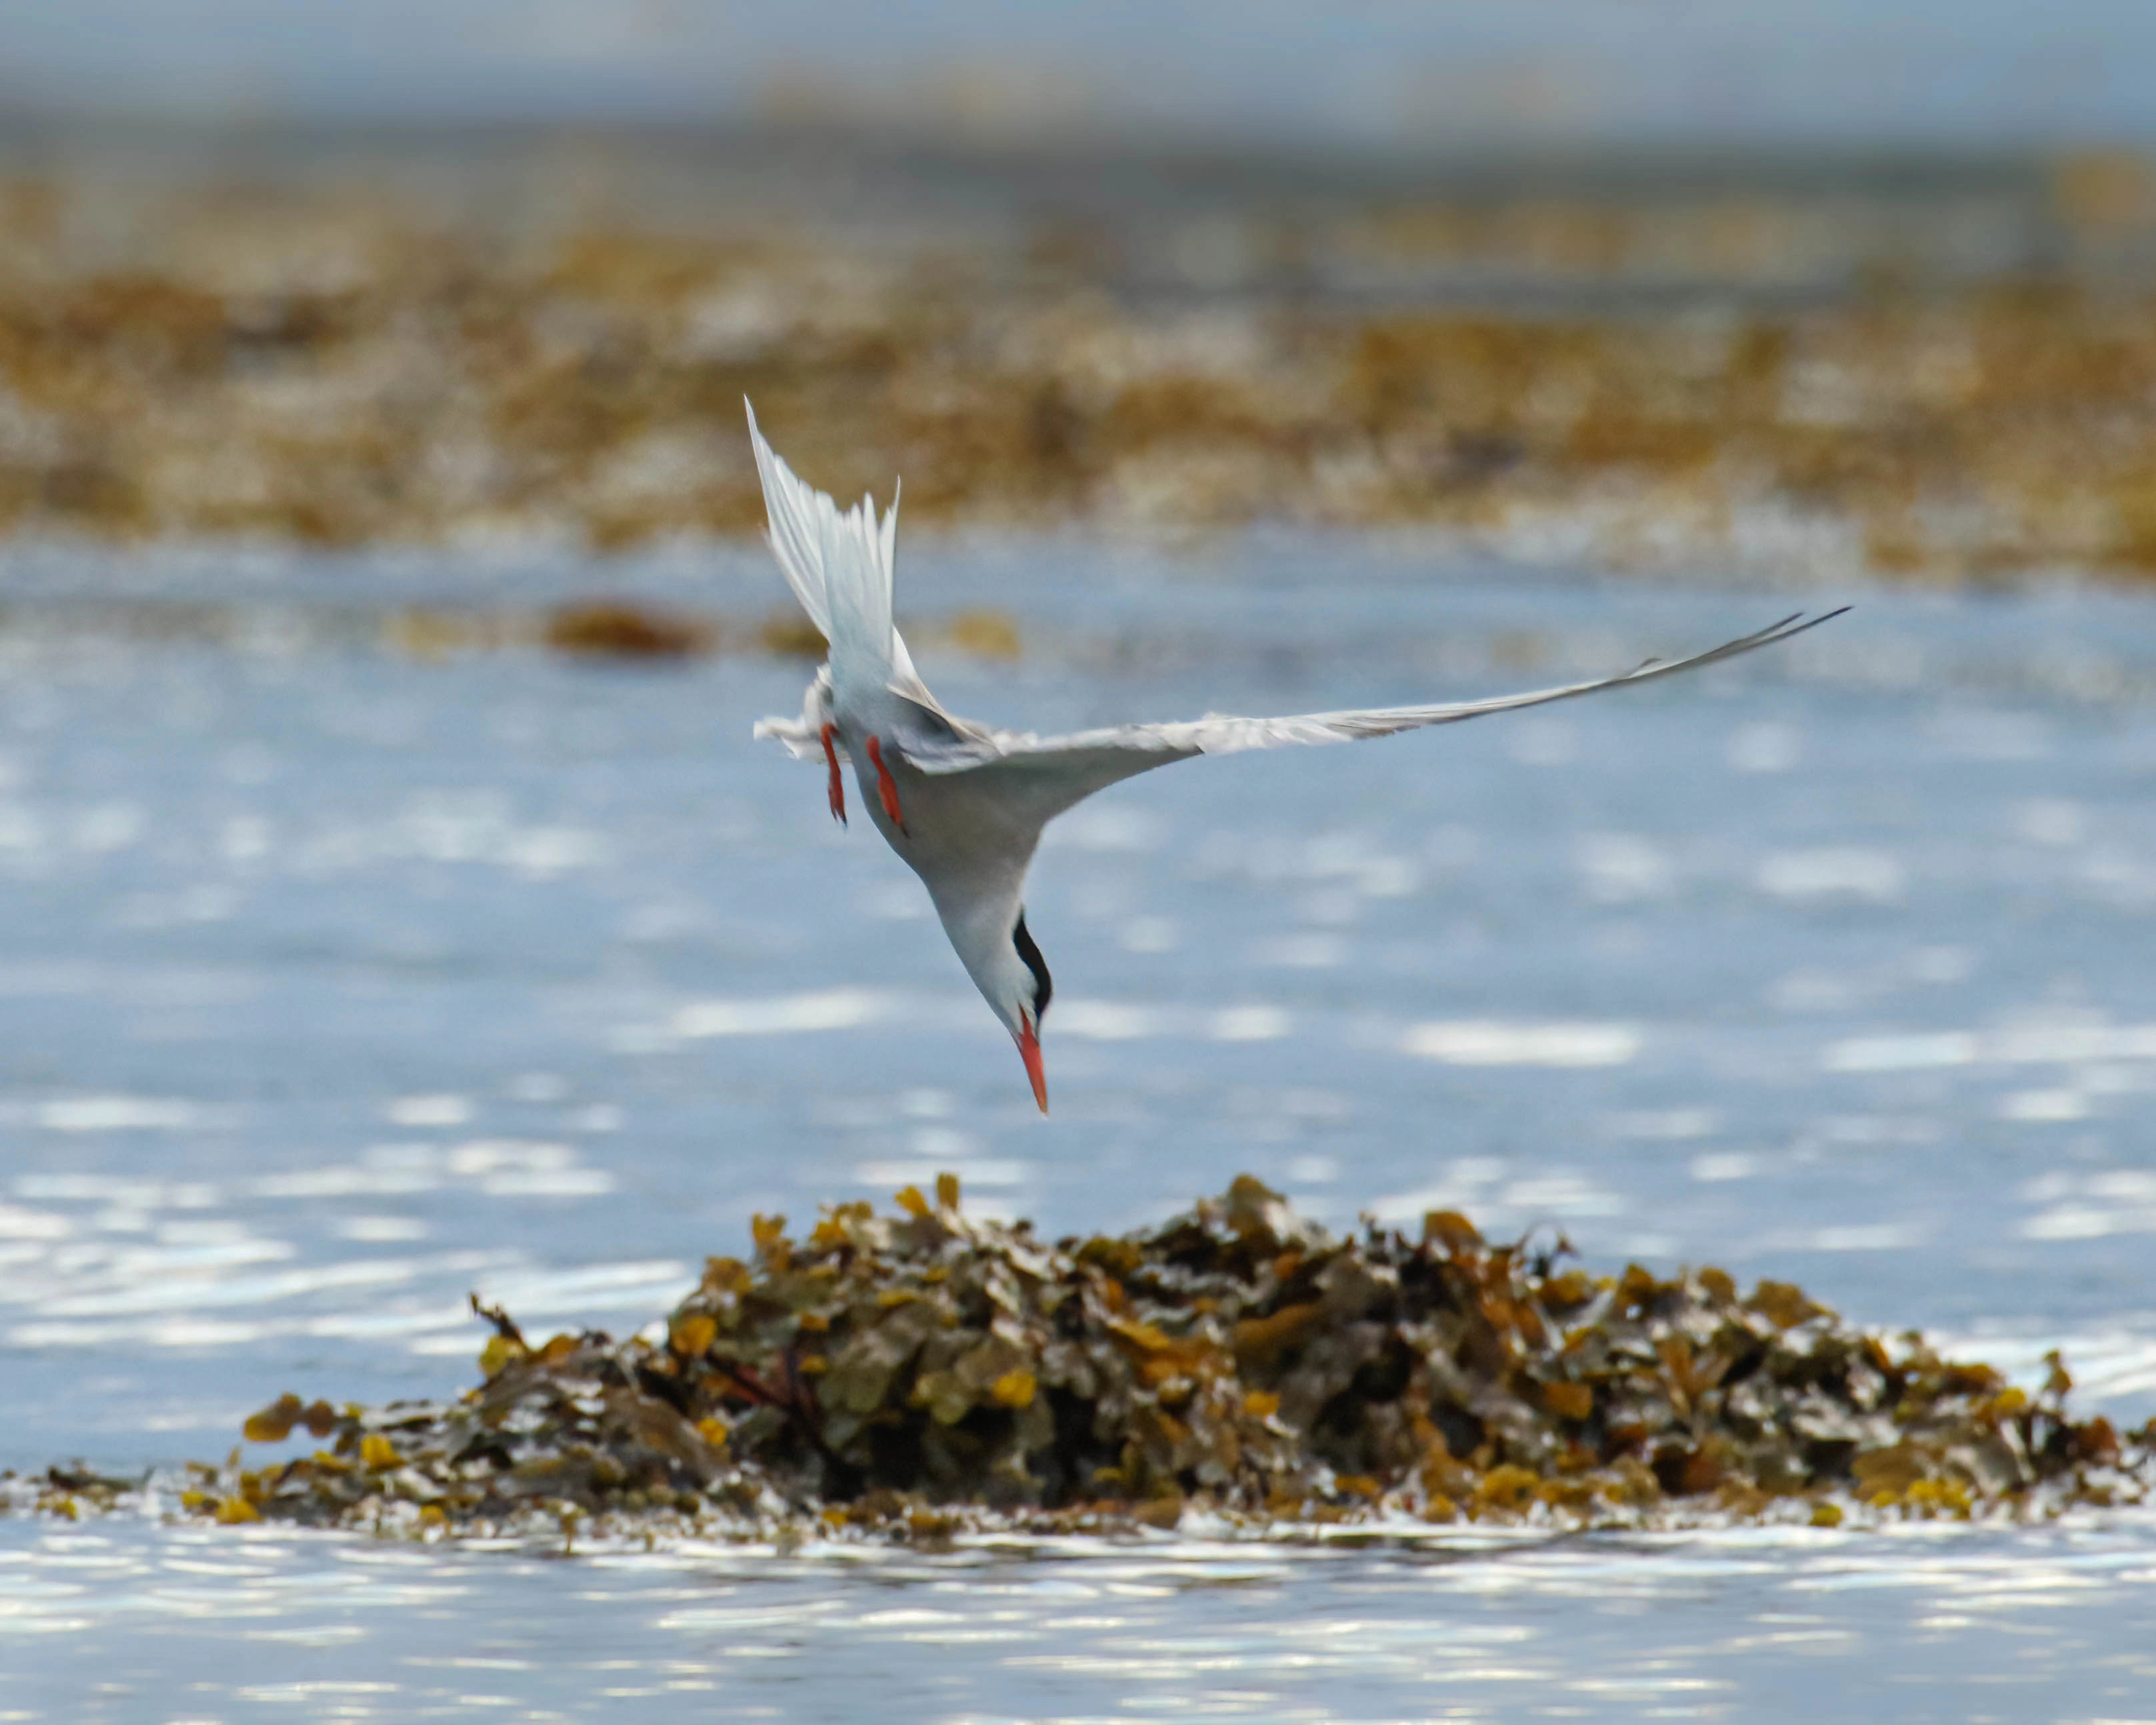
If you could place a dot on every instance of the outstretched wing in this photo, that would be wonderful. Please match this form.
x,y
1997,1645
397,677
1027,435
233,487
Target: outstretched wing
x,y
841,566
1070,768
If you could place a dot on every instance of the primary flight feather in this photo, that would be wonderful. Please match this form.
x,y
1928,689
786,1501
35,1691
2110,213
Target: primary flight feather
x,y
964,804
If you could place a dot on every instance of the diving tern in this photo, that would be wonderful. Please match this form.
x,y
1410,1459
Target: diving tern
x,y
963,804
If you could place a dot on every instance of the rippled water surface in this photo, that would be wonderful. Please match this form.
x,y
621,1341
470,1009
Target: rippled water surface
x,y
336,982
1798,1626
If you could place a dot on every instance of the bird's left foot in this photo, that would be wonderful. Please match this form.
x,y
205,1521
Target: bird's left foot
x,y
885,788
838,784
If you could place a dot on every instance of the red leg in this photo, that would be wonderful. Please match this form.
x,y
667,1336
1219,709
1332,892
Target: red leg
x,y
885,789
838,784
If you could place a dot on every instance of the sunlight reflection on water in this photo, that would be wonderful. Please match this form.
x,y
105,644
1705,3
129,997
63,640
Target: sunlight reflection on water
x,y
337,987
1763,1625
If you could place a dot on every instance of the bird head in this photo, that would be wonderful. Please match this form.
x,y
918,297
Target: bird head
x,y
991,941
1020,991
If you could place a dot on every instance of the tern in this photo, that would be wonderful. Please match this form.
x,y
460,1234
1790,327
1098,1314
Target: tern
x,y
964,804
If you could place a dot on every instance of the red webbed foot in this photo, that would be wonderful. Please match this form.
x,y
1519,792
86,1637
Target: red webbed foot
x,y
838,784
885,788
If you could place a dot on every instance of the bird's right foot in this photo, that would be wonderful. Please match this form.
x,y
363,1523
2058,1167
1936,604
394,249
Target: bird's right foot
x,y
838,784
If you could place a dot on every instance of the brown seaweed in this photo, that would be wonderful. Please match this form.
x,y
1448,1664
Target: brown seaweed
x,y
326,369
925,1370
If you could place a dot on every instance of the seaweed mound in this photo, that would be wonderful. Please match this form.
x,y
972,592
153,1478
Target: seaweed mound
x,y
917,1369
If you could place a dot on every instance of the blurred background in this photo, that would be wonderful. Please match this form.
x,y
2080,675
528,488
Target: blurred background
x,y
1771,288
1776,71
393,904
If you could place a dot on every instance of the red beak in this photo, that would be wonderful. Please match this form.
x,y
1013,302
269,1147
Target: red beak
x,y
1028,1048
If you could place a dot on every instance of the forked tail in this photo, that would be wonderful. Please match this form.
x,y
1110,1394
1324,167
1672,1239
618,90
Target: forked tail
x,y
840,567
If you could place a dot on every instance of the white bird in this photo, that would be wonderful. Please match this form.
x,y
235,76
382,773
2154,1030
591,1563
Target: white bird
x,y
963,805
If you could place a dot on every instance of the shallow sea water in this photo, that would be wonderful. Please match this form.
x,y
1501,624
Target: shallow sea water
x,y
1916,1624
335,983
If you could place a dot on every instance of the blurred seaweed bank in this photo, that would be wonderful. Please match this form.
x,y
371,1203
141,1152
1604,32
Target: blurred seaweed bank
x,y
1939,368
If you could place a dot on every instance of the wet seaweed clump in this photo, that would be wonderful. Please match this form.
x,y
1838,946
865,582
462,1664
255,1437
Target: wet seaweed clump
x,y
928,1371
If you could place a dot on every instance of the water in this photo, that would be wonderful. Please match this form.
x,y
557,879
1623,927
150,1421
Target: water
x,y
335,985
1793,1626
1567,71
